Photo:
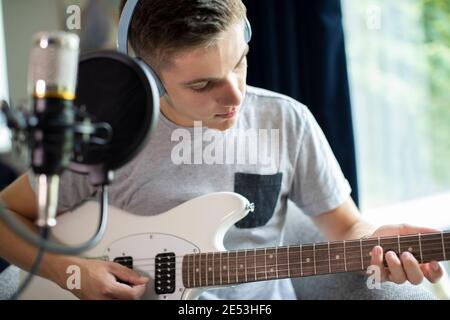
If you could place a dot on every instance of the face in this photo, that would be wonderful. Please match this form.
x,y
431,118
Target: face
x,y
207,84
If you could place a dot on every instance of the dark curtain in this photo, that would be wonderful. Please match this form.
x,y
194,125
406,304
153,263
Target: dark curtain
x,y
298,49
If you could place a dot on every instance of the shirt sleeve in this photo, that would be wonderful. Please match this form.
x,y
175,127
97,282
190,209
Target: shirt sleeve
x,y
318,183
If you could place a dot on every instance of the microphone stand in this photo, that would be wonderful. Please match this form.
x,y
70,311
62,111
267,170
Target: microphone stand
x,y
48,194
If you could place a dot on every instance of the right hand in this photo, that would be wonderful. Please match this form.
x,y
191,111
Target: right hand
x,y
101,280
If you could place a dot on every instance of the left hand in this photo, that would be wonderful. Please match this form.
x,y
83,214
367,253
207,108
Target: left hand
x,y
405,268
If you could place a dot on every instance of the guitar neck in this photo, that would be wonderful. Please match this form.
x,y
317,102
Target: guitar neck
x,y
243,266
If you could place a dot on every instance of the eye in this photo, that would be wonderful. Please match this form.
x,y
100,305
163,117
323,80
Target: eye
x,y
205,86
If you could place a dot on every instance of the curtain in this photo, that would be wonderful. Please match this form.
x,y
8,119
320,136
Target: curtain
x,y
298,49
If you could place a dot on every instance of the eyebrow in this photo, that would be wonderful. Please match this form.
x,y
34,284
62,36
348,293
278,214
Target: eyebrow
x,y
192,82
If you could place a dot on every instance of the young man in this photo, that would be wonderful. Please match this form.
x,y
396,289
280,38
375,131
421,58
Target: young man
x,y
199,51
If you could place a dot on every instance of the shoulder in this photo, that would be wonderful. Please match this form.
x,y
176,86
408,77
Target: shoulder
x,y
264,95
268,106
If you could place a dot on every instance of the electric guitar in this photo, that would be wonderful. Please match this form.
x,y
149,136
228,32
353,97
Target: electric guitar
x,y
182,251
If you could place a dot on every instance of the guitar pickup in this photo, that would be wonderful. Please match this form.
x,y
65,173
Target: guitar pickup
x,y
165,267
125,261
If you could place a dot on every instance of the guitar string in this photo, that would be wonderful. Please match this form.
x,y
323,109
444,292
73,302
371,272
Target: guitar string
x,y
303,263
426,245
350,259
429,243
242,273
357,258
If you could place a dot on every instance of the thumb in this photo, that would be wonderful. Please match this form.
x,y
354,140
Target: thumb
x,y
127,275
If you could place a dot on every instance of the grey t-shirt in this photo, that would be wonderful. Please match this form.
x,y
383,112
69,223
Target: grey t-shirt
x,y
290,159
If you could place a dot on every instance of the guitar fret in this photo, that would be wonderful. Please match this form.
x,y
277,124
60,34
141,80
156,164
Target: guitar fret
x,y
368,246
211,269
209,280
256,277
220,267
345,258
248,263
329,258
314,258
237,270
301,260
337,256
353,255
206,268
245,260
241,257
308,257
195,269
210,274
214,269
361,250
265,261
443,246
200,269
203,266
282,263
189,272
420,248
228,266
276,262
288,263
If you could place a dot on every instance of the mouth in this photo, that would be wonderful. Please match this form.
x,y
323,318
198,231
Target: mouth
x,y
229,115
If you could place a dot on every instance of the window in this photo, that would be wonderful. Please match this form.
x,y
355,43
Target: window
x,y
399,64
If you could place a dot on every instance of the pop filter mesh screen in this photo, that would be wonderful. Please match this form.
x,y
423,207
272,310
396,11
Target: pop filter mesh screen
x,y
116,92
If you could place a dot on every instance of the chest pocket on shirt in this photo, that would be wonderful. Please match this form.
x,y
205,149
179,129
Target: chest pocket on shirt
x,y
263,191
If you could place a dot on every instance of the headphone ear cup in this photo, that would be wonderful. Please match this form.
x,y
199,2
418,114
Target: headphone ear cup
x,y
161,89
160,86
122,42
248,31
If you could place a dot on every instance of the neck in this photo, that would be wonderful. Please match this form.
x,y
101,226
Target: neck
x,y
171,114
236,267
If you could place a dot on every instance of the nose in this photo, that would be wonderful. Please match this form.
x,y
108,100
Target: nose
x,y
231,94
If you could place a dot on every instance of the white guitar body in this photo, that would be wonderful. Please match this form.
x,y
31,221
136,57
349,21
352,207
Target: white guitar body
x,y
196,226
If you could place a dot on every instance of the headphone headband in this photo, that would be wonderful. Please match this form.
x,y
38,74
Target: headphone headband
x,y
124,28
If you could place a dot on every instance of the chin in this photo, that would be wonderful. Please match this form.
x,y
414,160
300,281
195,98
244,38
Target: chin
x,y
222,125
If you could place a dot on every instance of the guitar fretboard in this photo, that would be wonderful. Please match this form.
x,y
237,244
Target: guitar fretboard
x,y
242,266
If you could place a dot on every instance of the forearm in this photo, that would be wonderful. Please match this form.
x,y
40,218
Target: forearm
x,y
22,254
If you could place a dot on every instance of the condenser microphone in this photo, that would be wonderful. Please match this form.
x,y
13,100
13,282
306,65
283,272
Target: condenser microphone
x,y
52,80
116,107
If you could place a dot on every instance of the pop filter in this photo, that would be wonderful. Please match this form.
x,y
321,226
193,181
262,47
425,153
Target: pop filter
x,y
118,90
116,109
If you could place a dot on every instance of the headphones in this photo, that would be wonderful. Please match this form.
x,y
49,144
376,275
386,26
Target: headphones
x,y
124,27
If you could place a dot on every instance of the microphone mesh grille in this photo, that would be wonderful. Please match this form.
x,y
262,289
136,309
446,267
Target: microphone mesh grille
x,y
54,65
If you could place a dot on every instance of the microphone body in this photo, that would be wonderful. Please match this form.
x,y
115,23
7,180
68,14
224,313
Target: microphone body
x,y
52,85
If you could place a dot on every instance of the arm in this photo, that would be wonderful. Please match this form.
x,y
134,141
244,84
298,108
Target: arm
x,y
345,223
98,278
